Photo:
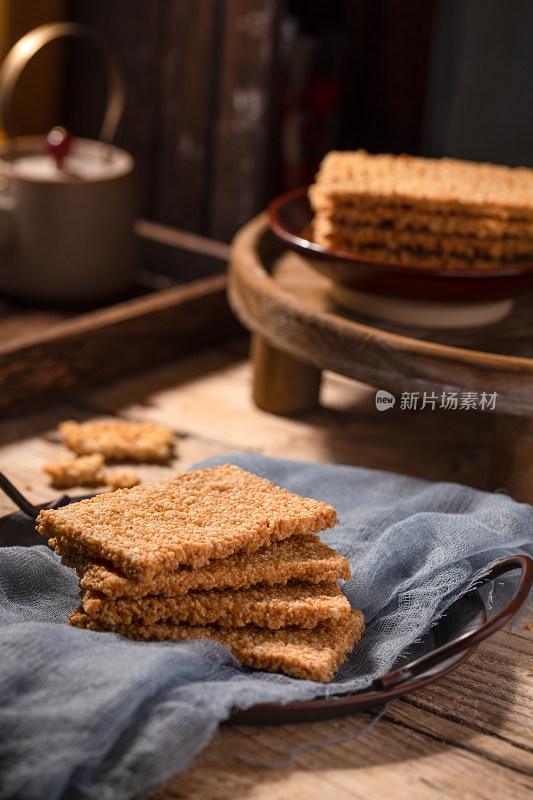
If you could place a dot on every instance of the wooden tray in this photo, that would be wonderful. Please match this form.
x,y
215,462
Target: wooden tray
x,y
275,293
177,305
298,332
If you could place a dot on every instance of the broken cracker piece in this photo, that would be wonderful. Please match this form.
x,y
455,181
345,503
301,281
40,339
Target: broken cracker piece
x,y
309,654
68,471
119,440
191,518
122,479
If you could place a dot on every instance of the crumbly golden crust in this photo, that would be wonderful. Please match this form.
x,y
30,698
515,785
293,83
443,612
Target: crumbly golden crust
x,y
119,440
296,603
69,471
427,183
313,654
303,558
191,518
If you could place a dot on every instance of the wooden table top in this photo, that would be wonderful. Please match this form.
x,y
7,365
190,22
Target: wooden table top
x,y
469,735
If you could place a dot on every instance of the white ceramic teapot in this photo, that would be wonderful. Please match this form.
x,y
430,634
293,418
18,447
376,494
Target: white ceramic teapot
x,y
66,223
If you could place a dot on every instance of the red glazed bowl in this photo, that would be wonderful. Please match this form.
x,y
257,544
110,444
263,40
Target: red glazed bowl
x,y
290,216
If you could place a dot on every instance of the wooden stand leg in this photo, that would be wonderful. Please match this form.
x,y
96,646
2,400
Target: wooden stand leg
x,y
512,457
282,384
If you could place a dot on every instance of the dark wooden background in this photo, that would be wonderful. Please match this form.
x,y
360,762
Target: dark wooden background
x,y
233,101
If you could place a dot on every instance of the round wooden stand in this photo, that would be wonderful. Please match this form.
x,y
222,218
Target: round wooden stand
x,y
298,331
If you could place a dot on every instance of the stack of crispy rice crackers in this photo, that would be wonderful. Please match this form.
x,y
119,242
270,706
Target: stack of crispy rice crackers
x,y
215,553
430,212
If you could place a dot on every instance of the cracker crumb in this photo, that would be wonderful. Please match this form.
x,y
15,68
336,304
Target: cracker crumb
x,y
122,478
119,440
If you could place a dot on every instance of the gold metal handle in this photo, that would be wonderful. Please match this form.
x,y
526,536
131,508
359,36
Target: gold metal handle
x,y
26,47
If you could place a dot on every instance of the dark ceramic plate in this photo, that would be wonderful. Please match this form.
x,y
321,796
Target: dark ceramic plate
x,y
451,641
290,216
455,637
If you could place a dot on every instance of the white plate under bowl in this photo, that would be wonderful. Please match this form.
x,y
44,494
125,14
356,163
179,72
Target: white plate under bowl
x,y
421,313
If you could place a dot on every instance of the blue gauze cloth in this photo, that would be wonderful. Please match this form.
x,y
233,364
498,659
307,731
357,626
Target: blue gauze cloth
x,y
94,715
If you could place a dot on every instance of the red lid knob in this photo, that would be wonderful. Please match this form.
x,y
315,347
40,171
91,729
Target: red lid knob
x,y
58,144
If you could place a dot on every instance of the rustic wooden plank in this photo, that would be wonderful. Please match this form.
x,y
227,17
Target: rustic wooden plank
x,y
511,455
168,257
86,350
183,239
48,355
385,74
240,153
28,442
183,121
132,28
345,430
183,394
198,112
135,33
390,762
492,692
19,324
486,745
23,451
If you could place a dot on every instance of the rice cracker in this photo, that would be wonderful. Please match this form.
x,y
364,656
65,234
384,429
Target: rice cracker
x,y
428,184
119,440
191,518
313,654
295,603
302,557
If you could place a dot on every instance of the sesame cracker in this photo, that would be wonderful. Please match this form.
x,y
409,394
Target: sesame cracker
x,y
191,518
313,654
